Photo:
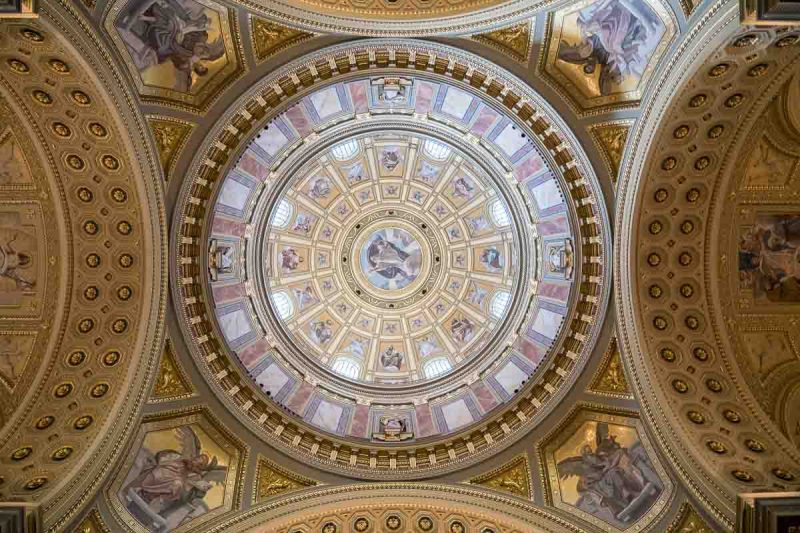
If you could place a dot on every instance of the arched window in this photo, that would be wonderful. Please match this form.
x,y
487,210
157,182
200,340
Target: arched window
x,y
283,304
346,150
282,214
499,304
436,150
436,367
499,214
346,367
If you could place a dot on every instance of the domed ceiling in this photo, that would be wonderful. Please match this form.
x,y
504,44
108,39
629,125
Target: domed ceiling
x,y
391,260
389,302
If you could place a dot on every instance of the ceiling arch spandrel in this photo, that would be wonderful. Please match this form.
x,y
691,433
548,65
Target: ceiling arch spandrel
x,y
321,262
81,267
711,240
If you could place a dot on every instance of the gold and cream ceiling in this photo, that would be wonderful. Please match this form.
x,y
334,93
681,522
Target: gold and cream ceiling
x,y
332,266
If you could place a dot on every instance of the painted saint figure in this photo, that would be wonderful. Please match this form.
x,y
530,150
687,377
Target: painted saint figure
x,y
618,37
12,262
170,485
394,256
174,31
290,260
615,484
392,359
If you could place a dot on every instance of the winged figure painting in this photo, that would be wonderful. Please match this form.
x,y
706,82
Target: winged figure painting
x,y
615,483
168,487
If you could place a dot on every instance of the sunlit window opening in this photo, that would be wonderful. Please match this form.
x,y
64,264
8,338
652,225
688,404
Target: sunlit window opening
x,y
282,215
346,150
346,367
499,304
283,304
436,367
436,150
499,214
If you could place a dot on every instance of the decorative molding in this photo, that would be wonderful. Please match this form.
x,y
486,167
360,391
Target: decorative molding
x,y
271,480
92,523
514,477
170,136
513,41
610,380
610,138
688,521
171,382
269,37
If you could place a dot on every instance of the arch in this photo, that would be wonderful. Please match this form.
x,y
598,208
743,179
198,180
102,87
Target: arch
x,y
436,367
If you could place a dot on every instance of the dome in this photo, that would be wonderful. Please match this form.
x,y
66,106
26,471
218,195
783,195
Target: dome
x,y
392,260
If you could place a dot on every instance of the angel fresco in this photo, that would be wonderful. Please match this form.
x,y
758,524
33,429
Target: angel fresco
x,y
617,38
769,258
168,487
615,483
172,32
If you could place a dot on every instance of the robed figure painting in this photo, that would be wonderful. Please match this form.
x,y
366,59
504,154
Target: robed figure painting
x,y
175,479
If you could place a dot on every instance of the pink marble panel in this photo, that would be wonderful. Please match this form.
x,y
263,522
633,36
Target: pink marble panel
x,y
425,425
486,399
298,399
253,166
228,292
226,226
554,291
528,167
358,427
554,225
424,98
485,119
252,354
358,94
299,120
531,350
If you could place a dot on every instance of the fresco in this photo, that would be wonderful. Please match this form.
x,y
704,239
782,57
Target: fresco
x,y
602,51
391,259
20,251
178,49
178,475
603,469
769,259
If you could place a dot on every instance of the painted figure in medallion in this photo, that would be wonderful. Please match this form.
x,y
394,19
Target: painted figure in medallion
x,y
391,259
462,329
172,32
168,487
617,38
320,188
391,158
321,331
290,260
392,359
492,259
463,187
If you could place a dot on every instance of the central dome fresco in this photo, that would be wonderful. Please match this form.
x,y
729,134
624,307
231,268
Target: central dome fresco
x,y
390,261
388,258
